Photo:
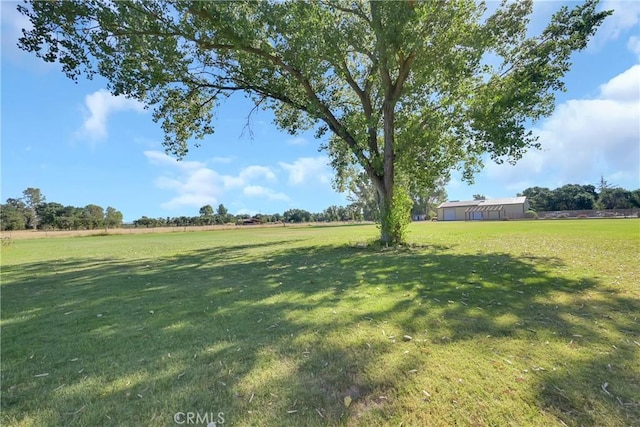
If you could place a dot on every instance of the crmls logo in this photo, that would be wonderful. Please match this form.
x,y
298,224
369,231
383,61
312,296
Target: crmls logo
x,y
209,419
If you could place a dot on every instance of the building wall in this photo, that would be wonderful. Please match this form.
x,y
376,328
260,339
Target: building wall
x,y
459,212
493,215
515,211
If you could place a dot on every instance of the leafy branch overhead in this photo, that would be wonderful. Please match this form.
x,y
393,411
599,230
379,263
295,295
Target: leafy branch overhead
x,y
411,88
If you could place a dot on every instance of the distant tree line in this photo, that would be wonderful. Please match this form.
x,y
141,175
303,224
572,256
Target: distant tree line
x,y
582,197
363,207
222,216
32,211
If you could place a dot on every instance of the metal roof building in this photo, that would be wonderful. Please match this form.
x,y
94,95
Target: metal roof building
x,y
491,209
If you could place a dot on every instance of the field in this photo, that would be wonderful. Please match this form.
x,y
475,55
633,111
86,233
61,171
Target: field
x,y
507,323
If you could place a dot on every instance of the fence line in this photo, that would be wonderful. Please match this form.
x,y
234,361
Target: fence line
x,y
592,213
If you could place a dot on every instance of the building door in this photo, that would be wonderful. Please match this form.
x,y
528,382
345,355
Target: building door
x,y
476,215
449,214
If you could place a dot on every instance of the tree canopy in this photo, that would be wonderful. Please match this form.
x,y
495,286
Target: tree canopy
x,y
581,197
32,211
408,90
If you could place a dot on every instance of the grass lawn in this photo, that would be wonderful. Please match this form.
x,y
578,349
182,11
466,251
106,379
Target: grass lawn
x,y
506,323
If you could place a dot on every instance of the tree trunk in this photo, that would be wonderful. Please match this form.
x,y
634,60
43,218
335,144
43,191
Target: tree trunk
x,y
389,233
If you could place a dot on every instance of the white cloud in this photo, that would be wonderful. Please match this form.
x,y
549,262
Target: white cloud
x,y
100,105
626,15
12,24
633,44
454,183
259,191
196,185
623,87
585,138
297,141
253,172
308,169
248,174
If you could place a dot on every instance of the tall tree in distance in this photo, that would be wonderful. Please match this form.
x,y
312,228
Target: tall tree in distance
x,y
360,192
604,185
32,199
93,216
222,211
426,201
479,197
222,214
206,210
403,87
112,217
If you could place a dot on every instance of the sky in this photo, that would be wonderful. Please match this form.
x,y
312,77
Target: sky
x,y
80,145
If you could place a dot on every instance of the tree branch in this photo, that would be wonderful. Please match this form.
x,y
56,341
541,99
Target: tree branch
x,y
403,73
372,138
359,13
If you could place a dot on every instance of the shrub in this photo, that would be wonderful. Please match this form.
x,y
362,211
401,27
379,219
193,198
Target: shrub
x,y
399,216
531,214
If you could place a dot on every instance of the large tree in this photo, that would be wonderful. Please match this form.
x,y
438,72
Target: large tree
x,y
409,90
363,196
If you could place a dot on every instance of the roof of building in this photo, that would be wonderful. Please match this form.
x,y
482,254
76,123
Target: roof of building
x,y
505,201
488,202
459,204
485,208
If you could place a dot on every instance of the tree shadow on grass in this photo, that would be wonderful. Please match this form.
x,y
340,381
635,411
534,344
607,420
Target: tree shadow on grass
x,y
282,337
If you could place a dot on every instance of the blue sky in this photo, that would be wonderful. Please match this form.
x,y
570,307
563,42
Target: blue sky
x,y
80,145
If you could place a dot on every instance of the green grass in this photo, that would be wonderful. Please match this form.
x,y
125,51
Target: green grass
x,y
512,323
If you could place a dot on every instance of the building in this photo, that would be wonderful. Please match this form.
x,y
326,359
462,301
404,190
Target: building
x,y
506,208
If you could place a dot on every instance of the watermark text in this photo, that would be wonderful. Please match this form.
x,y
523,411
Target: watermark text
x,y
210,419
